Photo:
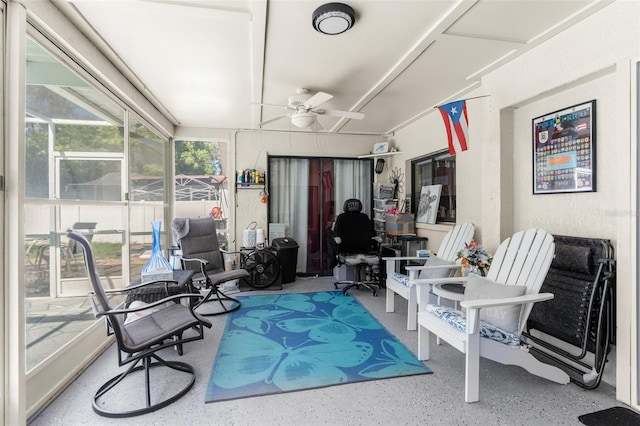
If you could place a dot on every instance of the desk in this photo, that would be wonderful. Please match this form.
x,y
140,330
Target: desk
x,y
408,244
153,292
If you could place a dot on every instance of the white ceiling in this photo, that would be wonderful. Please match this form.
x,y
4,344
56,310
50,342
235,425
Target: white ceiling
x,y
206,63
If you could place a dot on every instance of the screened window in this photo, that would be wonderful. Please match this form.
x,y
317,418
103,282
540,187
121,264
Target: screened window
x,y
147,162
202,183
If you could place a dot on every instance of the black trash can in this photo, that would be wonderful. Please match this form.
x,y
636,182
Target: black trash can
x,y
286,250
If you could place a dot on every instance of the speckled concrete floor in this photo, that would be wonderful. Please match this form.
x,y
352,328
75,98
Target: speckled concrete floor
x,y
509,395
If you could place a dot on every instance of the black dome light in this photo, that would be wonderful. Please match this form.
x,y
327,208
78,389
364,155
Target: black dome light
x,y
333,18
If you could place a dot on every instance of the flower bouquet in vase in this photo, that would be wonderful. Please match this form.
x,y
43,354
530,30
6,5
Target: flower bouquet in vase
x,y
475,258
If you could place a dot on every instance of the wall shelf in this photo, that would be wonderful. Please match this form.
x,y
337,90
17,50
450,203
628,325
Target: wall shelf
x,y
381,154
250,186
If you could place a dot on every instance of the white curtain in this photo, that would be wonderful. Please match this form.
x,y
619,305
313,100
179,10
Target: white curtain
x,y
352,180
289,198
289,182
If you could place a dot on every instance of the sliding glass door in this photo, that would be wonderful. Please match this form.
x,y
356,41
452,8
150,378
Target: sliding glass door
x,y
93,166
306,195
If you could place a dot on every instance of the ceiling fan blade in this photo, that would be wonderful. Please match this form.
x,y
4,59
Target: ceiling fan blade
x,y
271,105
346,114
262,123
317,99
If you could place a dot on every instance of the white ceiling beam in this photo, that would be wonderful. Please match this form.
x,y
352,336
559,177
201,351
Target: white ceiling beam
x,y
191,8
515,44
520,48
258,46
452,15
418,116
570,20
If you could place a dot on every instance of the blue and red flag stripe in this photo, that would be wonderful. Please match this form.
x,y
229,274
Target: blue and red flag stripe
x,y
456,124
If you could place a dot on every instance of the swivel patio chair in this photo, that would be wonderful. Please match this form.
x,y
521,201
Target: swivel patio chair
x,y
141,333
198,241
439,265
497,308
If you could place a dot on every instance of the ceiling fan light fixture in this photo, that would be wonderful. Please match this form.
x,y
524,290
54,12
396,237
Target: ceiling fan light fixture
x,y
333,18
303,119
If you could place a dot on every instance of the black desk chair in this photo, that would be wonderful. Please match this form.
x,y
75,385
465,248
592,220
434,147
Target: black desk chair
x,y
140,334
357,247
198,241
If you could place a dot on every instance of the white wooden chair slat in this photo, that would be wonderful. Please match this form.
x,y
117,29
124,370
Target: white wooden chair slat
x,y
523,259
452,243
444,251
456,240
508,259
532,263
496,263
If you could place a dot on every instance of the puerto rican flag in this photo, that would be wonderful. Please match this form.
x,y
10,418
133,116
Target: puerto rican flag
x,y
454,115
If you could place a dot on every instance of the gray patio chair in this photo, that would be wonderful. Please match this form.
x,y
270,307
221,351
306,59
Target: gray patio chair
x,y
198,241
140,334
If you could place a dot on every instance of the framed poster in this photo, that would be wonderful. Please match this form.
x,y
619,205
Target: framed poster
x,y
380,148
428,204
564,150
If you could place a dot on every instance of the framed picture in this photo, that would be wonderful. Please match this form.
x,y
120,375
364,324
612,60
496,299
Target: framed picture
x,y
564,150
428,204
380,148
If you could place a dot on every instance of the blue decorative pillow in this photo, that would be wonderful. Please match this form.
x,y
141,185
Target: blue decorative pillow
x,y
504,317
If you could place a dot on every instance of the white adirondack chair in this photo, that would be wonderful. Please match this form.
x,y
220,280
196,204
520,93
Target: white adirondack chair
x,y
400,284
522,260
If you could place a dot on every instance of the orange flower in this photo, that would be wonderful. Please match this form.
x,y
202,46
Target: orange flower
x,y
474,254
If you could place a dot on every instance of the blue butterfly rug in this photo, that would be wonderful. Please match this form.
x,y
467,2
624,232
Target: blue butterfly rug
x,y
291,342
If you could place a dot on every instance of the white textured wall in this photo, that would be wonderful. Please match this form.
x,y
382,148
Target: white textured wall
x,y
592,60
586,62
589,214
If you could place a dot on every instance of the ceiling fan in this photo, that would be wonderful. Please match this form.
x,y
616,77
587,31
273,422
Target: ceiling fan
x,y
305,109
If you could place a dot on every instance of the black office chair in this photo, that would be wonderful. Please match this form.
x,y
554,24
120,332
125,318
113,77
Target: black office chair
x,y
357,247
140,334
198,241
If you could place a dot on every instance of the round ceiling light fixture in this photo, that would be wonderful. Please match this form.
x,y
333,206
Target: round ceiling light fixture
x,y
303,119
333,18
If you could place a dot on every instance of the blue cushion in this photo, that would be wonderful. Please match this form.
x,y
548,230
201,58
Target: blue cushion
x,y
401,278
459,321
